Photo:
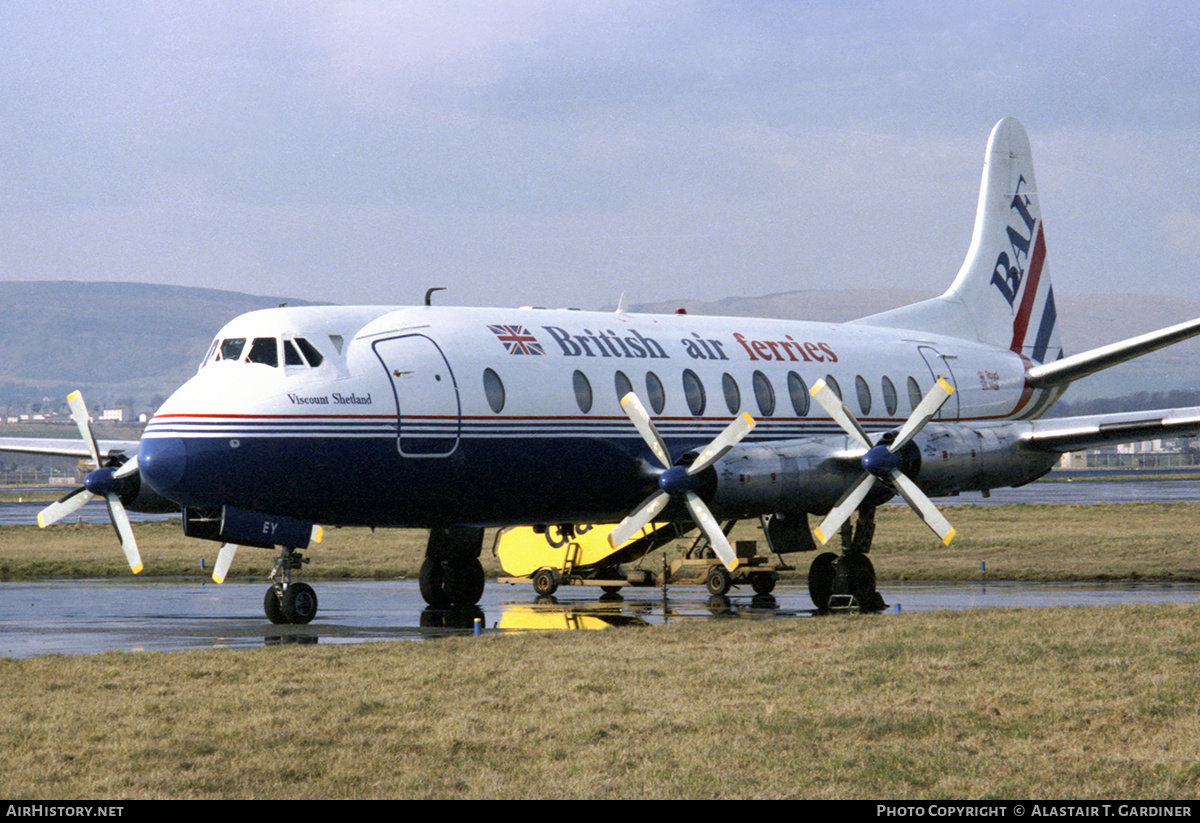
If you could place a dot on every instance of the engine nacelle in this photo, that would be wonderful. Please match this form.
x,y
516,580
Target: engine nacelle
x,y
137,496
810,476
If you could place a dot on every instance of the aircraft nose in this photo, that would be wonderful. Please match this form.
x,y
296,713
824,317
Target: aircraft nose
x,y
162,462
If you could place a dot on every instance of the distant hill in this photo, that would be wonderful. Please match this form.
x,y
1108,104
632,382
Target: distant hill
x,y
118,341
110,340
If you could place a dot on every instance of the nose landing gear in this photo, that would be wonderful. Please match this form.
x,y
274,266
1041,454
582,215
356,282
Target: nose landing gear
x,y
285,601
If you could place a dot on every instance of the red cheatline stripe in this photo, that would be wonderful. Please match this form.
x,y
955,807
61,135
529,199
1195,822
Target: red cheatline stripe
x,y
1021,322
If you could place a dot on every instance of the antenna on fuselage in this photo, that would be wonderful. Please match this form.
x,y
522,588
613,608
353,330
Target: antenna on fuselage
x,y
429,294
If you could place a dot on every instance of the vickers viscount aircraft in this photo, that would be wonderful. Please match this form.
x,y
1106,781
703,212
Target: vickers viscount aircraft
x,y
458,419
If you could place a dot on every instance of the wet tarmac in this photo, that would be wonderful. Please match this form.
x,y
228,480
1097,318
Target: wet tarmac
x,y
88,617
91,616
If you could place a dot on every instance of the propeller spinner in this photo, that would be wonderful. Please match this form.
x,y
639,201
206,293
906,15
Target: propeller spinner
x,y
104,481
883,461
680,482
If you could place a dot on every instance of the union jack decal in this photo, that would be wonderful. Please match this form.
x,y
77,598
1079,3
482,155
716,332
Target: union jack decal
x,y
517,339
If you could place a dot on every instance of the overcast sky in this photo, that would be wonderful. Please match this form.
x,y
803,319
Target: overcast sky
x,y
560,153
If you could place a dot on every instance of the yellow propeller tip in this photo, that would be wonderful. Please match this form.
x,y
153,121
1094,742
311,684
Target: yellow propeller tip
x,y
75,395
218,579
137,569
949,536
821,538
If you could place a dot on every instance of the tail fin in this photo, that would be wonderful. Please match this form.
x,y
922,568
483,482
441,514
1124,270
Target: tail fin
x,y
1002,294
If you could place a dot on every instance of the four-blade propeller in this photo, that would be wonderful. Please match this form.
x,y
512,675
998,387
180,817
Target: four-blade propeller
x,y
883,461
104,481
680,482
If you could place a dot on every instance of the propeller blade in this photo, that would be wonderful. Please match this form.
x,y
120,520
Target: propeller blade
x,y
832,404
224,559
129,467
845,507
64,506
929,406
712,530
645,426
726,440
923,506
634,523
79,414
120,521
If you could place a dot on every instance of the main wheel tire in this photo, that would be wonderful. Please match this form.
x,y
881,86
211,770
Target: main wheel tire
x,y
545,582
299,603
820,579
718,580
762,582
463,581
273,608
860,574
432,584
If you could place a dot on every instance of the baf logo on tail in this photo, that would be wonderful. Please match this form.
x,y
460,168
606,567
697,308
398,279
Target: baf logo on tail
x,y
1025,267
1009,273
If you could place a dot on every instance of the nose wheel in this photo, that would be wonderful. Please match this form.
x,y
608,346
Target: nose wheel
x,y
285,601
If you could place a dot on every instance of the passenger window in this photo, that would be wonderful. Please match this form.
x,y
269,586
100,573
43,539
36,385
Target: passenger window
x,y
493,390
583,391
263,350
889,396
799,393
733,395
833,386
291,357
864,394
693,392
655,393
914,392
622,385
764,394
231,349
310,352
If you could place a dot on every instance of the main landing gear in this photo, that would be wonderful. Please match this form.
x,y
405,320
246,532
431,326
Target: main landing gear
x,y
451,574
285,601
847,581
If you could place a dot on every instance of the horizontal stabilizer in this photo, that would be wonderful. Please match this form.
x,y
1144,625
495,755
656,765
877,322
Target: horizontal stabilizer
x,y
1068,369
1074,433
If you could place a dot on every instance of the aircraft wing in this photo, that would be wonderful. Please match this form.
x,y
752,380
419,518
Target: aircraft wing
x,y
64,447
1067,434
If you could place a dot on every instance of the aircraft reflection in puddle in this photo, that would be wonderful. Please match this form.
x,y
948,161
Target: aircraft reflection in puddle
x,y
547,613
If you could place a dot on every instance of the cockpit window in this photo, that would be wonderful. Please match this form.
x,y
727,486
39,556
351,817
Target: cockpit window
x,y
263,350
291,357
311,354
231,349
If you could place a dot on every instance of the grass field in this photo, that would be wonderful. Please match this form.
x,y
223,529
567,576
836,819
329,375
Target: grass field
x,y
1042,703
